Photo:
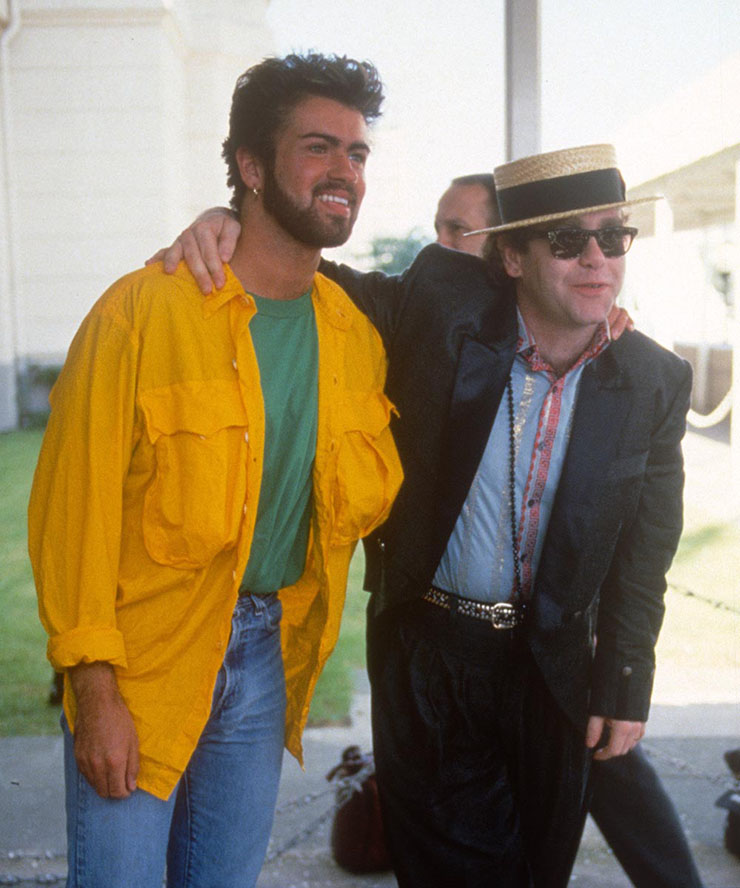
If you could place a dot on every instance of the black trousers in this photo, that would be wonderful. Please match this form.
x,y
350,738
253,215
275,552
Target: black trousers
x,y
482,779
640,822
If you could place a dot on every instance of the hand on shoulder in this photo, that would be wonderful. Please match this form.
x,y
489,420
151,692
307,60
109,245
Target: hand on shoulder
x,y
204,246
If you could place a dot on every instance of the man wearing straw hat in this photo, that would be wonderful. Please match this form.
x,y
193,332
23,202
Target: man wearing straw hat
x,y
628,802
517,586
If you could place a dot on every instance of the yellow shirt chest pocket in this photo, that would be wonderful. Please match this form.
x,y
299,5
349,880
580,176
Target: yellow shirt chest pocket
x,y
194,504
368,470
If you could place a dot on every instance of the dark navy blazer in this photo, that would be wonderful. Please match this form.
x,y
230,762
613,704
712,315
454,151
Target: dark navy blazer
x,y
450,336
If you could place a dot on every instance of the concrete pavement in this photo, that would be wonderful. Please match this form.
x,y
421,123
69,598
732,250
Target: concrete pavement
x,y
686,744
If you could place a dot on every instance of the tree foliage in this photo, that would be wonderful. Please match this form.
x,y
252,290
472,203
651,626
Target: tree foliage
x,y
394,254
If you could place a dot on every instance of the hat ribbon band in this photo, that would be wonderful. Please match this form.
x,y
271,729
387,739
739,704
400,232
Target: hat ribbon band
x,y
562,194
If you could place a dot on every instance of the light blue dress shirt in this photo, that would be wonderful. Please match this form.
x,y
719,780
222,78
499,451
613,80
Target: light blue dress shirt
x,y
478,562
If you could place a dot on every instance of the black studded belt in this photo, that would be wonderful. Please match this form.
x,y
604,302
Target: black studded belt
x,y
501,614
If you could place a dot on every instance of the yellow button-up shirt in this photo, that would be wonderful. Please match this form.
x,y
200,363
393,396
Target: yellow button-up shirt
x,y
145,497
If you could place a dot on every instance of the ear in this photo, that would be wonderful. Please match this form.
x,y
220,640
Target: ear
x,y
511,258
250,169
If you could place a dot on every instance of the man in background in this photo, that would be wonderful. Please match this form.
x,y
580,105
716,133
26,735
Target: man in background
x,y
468,205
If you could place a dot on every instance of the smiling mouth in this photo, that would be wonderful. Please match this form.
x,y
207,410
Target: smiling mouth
x,y
334,199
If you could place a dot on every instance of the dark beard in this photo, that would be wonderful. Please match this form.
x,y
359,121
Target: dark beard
x,y
304,225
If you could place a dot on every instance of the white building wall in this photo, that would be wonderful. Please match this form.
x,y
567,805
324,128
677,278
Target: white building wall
x,y
8,392
116,115
240,32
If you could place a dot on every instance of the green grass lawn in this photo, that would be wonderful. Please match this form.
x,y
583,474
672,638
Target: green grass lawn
x,y
701,630
334,690
26,673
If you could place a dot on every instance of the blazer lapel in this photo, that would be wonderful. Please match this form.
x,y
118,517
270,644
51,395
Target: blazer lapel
x,y
604,400
601,407
484,361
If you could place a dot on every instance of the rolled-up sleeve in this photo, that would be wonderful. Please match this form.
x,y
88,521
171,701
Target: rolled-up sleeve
x,y
75,509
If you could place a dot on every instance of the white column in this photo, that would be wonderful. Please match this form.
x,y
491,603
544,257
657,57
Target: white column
x,y
662,257
523,118
735,340
9,24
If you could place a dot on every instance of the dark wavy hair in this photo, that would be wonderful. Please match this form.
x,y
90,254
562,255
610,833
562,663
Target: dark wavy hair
x,y
266,94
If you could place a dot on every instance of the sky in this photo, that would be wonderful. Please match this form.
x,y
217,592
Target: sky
x,y
602,64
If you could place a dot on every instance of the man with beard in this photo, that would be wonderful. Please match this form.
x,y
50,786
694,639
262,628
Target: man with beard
x,y
208,466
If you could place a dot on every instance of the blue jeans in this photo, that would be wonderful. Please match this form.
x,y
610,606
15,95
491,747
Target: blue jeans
x,y
213,830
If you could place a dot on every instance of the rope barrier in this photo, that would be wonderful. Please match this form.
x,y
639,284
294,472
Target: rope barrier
x,y
712,602
720,412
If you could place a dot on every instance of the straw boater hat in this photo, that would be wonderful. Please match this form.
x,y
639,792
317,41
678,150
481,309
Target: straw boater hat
x,y
559,184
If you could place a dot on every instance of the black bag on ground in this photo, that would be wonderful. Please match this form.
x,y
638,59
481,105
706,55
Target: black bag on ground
x,y
730,801
357,836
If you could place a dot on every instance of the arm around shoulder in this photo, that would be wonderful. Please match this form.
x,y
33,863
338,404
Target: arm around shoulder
x,y
377,295
385,298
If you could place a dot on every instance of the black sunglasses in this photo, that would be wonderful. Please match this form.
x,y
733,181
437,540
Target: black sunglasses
x,y
567,243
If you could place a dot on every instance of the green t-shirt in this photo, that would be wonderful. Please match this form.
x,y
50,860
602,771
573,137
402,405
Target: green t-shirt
x,y
287,347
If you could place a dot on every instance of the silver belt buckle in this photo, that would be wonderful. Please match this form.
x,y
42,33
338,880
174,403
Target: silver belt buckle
x,y
504,615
